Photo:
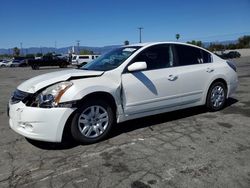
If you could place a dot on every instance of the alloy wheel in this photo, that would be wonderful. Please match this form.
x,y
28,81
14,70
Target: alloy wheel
x,y
93,121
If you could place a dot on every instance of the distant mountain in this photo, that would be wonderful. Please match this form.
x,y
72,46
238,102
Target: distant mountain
x,y
96,50
226,42
44,50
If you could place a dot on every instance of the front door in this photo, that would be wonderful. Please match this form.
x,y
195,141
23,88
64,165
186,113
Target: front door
x,y
155,88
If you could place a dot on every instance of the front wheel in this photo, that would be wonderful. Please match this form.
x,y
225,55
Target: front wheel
x,y
92,122
63,65
216,97
35,67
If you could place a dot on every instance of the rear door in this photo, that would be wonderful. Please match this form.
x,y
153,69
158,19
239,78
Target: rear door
x,y
195,69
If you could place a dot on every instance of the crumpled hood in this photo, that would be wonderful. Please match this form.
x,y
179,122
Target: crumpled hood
x,y
34,84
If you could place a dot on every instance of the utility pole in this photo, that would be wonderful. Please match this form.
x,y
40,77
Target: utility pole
x,y
140,30
21,48
78,45
55,47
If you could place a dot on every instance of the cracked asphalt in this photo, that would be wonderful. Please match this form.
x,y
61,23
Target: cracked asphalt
x,y
186,148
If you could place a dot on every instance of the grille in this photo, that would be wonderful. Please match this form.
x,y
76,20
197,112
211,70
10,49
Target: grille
x,y
18,96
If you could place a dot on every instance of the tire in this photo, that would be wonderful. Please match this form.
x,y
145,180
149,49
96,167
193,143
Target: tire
x,y
216,96
84,63
35,67
88,127
63,65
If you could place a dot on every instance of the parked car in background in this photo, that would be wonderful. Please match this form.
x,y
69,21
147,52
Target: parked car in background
x,y
126,83
3,63
18,63
80,60
48,60
233,54
229,55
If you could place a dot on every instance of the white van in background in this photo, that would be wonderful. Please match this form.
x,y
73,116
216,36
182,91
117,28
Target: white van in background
x,y
80,60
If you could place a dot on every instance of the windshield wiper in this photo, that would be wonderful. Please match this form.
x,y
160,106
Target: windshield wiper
x,y
84,68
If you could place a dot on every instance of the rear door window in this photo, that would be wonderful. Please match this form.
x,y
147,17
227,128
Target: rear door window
x,y
188,55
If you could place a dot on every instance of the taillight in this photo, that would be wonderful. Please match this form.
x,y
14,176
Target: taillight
x,y
232,65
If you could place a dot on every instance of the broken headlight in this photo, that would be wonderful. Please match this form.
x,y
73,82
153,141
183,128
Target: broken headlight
x,y
50,97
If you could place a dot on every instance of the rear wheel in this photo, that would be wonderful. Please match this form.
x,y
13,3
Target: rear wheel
x,y
92,122
216,97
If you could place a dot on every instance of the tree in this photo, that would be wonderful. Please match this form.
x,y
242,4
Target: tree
x,y
177,36
16,51
86,52
216,47
39,55
244,42
49,54
126,42
30,56
197,43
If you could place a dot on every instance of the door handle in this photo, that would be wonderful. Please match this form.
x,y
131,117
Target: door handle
x,y
172,77
209,70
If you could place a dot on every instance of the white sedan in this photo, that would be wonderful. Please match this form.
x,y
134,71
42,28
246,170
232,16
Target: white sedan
x,y
3,63
127,83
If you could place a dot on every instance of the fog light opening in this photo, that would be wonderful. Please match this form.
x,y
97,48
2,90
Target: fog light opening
x,y
26,126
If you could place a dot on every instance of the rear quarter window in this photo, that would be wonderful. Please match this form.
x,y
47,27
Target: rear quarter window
x,y
207,58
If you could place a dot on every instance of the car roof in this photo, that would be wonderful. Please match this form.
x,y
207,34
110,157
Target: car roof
x,y
154,43
147,44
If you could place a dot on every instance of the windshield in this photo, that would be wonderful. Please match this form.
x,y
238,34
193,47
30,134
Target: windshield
x,y
111,60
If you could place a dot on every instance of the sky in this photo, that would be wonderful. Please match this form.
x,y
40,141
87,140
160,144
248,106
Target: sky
x,y
60,23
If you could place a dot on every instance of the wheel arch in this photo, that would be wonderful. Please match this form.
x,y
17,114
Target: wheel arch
x,y
217,79
66,134
100,95
220,79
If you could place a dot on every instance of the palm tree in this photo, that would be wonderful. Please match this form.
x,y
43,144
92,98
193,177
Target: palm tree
x,y
177,36
16,51
126,42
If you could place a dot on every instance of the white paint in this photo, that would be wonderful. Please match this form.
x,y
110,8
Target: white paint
x,y
144,93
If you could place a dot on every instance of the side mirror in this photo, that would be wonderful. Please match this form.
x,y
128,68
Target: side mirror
x,y
137,66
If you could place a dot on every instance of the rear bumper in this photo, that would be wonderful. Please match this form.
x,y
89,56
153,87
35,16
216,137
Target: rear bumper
x,y
232,87
45,124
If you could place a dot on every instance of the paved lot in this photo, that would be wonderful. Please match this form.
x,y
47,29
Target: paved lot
x,y
187,148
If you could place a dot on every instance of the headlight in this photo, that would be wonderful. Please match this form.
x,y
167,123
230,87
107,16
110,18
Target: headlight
x,y
50,97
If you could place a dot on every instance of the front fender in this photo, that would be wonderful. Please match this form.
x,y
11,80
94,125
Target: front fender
x,y
84,87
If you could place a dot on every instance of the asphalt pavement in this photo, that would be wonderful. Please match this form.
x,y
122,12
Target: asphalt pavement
x,y
185,148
